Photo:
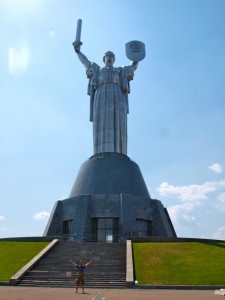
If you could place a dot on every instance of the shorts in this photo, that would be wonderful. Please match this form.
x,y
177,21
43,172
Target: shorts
x,y
80,279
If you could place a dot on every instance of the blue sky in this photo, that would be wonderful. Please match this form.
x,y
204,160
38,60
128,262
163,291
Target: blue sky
x,y
176,124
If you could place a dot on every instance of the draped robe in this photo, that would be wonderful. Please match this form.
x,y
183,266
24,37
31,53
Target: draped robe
x,y
108,89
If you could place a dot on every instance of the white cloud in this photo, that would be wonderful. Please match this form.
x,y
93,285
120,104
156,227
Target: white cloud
x,y
18,59
2,218
191,192
180,213
41,215
189,219
221,205
220,233
217,168
221,197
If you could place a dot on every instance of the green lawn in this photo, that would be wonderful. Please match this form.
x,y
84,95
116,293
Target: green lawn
x,y
190,263
14,255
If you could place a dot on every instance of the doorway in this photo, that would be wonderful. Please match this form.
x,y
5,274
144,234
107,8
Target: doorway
x,y
105,229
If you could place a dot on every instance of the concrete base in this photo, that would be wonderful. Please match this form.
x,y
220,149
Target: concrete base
x,y
109,202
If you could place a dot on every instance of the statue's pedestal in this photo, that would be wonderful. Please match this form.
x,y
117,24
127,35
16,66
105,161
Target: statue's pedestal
x,y
109,202
110,173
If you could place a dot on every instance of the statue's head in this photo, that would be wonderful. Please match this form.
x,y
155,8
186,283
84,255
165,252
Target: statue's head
x,y
109,58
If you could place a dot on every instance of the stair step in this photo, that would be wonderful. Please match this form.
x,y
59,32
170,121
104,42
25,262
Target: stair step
x,y
108,269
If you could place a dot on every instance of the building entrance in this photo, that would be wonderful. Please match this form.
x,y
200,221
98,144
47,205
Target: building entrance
x,y
105,229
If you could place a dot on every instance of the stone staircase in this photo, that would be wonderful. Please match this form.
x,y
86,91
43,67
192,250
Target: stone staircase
x,y
108,269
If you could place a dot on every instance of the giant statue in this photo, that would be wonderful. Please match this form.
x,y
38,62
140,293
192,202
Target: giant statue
x,y
108,89
109,201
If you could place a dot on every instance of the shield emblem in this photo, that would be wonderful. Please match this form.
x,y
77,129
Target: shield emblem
x,y
135,50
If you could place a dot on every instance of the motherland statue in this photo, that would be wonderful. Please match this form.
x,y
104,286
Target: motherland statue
x,y
108,89
109,200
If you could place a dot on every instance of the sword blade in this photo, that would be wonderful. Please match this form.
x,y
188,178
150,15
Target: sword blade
x,y
78,32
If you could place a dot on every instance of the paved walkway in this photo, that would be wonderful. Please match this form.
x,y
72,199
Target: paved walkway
x,y
32,293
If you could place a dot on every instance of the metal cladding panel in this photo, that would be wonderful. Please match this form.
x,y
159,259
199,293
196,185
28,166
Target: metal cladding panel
x,y
110,174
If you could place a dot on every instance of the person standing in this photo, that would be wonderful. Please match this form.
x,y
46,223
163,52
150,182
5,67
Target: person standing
x,y
80,279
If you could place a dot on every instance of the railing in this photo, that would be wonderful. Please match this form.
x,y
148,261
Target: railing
x,y
93,237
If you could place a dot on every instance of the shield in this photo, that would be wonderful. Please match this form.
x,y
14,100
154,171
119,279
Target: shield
x,y
135,50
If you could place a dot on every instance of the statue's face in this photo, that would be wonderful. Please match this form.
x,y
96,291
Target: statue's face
x,y
109,58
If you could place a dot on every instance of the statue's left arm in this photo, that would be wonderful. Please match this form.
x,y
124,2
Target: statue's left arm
x,y
134,65
128,75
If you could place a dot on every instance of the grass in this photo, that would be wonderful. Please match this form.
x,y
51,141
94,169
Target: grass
x,y
14,255
179,263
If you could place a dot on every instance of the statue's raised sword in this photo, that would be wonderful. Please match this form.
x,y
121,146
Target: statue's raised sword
x,y
78,33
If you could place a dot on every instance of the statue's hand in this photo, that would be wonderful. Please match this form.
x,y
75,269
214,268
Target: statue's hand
x,y
77,45
134,65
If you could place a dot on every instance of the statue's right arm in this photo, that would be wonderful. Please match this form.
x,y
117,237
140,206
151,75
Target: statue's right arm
x,y
83,59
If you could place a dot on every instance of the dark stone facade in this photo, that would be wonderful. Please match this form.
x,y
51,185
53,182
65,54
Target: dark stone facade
x,y
109,202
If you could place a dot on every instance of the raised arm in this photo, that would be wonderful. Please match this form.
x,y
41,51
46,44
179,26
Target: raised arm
x,y
88,263
73,262
134,65
83,59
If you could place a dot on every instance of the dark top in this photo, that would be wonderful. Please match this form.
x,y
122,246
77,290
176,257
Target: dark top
x,y
81,268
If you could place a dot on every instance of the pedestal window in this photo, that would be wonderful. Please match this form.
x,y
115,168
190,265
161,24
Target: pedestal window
x,y
67,228
105,229
144,227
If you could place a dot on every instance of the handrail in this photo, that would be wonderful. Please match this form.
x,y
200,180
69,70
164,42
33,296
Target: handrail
x,y
18,276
